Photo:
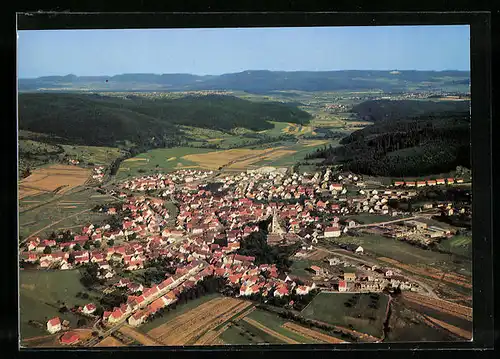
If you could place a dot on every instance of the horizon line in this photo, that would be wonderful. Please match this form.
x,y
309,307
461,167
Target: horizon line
x,y
228,73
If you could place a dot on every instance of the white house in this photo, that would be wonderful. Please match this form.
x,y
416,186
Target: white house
x,y
54,325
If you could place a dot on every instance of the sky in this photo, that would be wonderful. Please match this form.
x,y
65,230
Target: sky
x,y
229,50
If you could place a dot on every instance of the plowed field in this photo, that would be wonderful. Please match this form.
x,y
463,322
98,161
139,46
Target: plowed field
x,y
312,334
188,328
58,178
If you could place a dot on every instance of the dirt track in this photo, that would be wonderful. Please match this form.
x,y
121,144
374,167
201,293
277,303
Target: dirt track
x,y
312,334
270,332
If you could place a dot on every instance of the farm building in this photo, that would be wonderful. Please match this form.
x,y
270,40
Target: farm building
x,y
54,325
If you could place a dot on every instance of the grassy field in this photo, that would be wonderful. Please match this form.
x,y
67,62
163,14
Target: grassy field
x,y
299,267
40,291
158,160
92,154
44,214
330,308
366,218
180,309
274,322
388,247
461,245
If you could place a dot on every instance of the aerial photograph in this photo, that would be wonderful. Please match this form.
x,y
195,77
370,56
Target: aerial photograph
x,y
244,186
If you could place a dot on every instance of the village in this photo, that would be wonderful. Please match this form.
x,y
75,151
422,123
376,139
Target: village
x,y
216,215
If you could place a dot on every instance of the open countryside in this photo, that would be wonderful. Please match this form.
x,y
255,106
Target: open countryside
x,y
250,208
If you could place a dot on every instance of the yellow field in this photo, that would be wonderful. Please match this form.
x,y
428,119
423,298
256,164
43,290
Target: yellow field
x,y
270,332
52,178
171,159
134,159
295,129
311,334
197,326
138,336
269,155
110,342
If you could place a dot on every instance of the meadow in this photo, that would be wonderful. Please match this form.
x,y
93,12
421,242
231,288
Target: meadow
x,y
330,308
39,292
159,160
60,212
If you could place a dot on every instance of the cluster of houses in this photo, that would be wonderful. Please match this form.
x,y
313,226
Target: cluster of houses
x,y
209,228
73,162
98,173
423,183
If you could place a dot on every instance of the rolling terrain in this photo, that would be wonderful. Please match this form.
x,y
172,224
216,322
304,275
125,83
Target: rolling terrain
x,y
258,81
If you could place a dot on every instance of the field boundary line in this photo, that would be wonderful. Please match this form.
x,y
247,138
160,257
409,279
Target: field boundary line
x,y
273,333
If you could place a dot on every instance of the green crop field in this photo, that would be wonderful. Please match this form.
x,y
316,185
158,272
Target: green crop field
x,y
57,209
39,292
92,154
158,160
330,308
461,245
274,322
392,248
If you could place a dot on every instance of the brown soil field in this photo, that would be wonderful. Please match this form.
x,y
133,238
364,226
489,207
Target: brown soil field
x,y
432,272
270,332
51,178
138,336
312,334
110,342
188,327
451,328
317,255
441,305
210,337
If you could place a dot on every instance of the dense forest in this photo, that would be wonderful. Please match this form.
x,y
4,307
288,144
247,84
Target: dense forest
x,y
377,110
260,81
108,121
407,147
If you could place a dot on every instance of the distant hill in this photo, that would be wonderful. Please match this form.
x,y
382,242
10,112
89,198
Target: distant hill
x,y
108,121
377,110
261,81
415,146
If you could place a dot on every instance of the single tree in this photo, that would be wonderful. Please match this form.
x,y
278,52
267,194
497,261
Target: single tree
x,y
47,250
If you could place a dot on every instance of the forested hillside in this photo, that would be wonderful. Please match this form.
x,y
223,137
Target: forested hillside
x,y
107,121
406,147
377,110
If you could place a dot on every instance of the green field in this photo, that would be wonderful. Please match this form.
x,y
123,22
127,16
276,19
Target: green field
x,y
159,160
461,245
367,218
92,154
43,214
180,309
274,322
330,308
299,267
39,293
403,252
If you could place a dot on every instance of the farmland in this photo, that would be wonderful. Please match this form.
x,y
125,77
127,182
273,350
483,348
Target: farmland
x,y
159,160
331,308
59,212
188,327
110,342
56,178
92,154
39,293
179,310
